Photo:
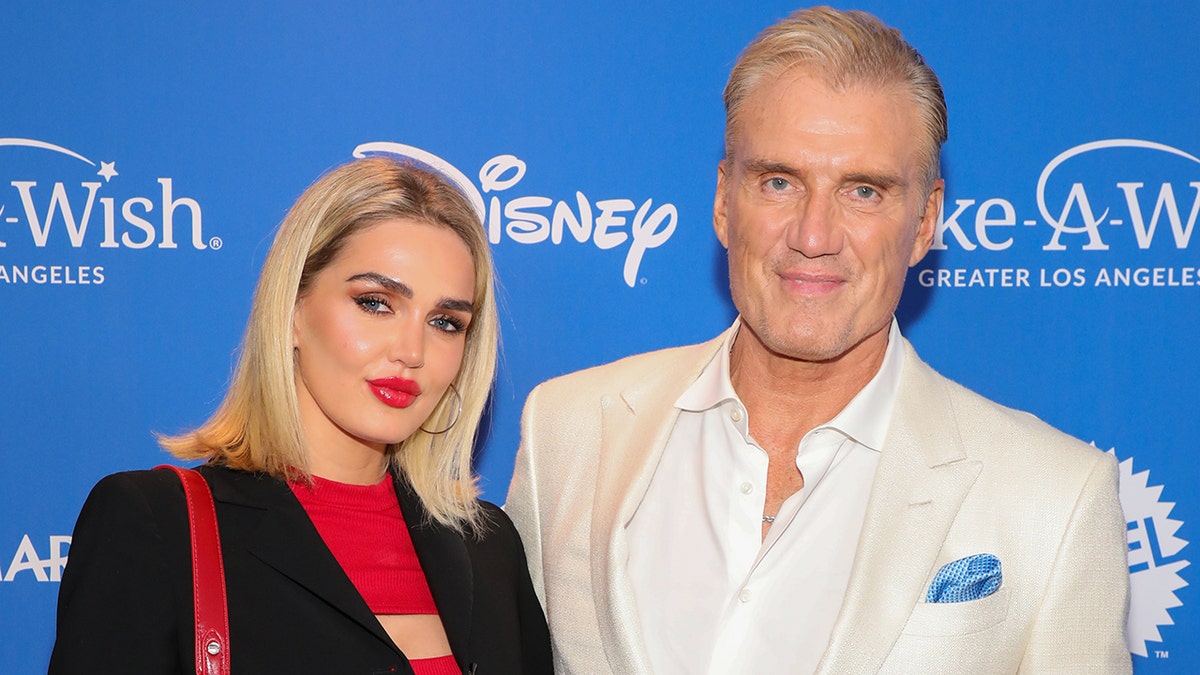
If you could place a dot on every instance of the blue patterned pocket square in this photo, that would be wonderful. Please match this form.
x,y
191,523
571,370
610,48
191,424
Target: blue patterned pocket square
x,y
970,578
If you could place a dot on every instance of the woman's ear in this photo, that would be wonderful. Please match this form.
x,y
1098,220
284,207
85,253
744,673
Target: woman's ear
x,y
297,318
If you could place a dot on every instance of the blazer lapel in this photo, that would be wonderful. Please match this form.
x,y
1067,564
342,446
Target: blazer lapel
x,y
447,566
636,425
920,483
286,540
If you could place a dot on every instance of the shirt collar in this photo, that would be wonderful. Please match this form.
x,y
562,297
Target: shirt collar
x,y
714,386
864,419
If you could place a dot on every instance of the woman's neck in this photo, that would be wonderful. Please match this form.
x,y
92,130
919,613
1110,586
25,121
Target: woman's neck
x,y
366,466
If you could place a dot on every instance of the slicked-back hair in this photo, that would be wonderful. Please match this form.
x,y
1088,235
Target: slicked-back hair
x,y
846,49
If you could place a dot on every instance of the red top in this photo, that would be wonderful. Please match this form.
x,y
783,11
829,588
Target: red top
x,y
438,665
363,527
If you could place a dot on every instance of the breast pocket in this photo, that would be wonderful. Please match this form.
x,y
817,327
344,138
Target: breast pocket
x,y
948,619
957,637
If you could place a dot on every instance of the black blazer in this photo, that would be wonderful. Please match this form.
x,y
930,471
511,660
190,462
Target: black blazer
x,y
125,603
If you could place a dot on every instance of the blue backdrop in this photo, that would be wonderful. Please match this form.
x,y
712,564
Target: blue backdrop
x,y
148,151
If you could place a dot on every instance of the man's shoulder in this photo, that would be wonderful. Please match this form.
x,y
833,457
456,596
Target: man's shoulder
x,y
986,426
671,363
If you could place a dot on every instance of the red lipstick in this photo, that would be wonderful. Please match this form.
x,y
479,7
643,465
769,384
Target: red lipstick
x,y
396,392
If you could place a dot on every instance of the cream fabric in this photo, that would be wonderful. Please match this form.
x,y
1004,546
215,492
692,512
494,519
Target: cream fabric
x,y
733,596
957,475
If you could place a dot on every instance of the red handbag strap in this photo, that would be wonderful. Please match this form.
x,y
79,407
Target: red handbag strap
x,y
208,575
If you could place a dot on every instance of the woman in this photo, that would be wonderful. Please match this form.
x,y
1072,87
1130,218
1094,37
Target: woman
x,y
352,536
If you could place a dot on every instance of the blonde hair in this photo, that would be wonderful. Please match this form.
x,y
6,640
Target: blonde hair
x,y
845,49
257,426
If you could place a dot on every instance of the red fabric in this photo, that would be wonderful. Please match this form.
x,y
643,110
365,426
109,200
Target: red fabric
x,y
208,574
438,665
363,527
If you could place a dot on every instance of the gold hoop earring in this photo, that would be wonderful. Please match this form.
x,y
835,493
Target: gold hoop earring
x,y
454,421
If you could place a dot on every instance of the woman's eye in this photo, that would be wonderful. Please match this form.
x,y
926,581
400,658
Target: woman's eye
x,y
372,304
447,324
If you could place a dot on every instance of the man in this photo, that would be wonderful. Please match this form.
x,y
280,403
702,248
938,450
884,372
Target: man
x,y
803,493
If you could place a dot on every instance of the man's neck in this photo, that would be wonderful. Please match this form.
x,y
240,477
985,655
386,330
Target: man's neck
x,y
786,397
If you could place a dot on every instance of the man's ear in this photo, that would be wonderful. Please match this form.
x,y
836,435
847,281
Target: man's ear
x,y
720,224
929,220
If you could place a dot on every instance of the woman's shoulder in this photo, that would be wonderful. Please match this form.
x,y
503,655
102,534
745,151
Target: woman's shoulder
x,y
155,495
135,499
161,484
143,484
131,519
496,531
494,520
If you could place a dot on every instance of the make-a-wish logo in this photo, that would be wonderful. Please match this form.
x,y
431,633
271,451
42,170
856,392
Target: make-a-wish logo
x,y
1119,195
1090,196
606,223
1154,557
57,203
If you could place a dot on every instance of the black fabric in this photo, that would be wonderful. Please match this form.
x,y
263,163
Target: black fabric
x,y
125,603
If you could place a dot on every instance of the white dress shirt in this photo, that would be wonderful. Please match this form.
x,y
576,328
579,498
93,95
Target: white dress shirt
x,y
712,595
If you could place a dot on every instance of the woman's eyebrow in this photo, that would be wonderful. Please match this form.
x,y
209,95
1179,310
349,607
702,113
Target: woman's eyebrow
x,y
403,289
394,285
456,304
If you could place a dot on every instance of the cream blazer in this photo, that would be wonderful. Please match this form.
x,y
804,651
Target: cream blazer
x,y
958,475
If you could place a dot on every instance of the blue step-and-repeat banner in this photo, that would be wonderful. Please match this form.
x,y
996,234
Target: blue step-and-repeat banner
x,y
147,151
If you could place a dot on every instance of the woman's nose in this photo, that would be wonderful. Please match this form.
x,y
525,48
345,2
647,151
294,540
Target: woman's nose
x,y
408,345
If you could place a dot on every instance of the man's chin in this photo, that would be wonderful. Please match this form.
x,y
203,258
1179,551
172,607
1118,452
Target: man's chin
x,y
800,342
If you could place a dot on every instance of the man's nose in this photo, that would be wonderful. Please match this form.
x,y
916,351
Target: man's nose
x,y
815,230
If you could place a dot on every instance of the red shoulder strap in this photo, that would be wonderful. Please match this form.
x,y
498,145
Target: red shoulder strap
x,y
208,575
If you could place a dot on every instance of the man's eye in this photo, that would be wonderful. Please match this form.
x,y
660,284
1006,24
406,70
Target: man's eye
x,y
865,192
778,183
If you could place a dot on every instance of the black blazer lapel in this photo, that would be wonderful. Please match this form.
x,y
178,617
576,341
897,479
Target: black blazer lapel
x,y
447,566
277,531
